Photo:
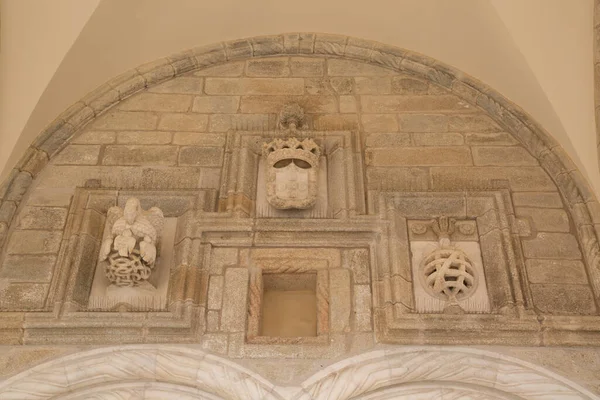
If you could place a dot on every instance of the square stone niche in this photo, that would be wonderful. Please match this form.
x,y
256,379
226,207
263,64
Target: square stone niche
x,y
289,305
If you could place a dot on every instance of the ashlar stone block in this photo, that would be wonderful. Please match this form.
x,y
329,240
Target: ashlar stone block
x,y
126,120
34,242
140,155
216,104
563,299
271,67
233,315
545,219
50,218
183,122
157,102
143,137
201,156
78,155
253,86
556,271
419,156
553,246
423,123
304,66
499,155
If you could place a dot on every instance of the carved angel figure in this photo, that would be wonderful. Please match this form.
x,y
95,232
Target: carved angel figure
x,y
129,242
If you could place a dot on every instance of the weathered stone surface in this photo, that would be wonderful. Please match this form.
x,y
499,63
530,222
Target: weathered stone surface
x,y
373,85
183,122
348,104
337,67
339,300
437,139
157,102
396,104
212,321
180,84
144,137
126,120
563,299
398,178
27,268
95,137
228,69
514,155
24,296
271,67
7,211
379,122
423,123
34,242
201,156
532,179
199,138
419,156
362,308
342,85
36,161
385,140
336,122
170,178
552,245
546,219
403,85
140,155
304,66
491,139
222,257
250,122
215,292
253,86
216,104
556,271
18,187
539,200
78,155
473,123
50,218
233,315
274,104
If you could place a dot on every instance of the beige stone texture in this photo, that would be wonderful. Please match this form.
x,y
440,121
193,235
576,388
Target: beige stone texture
x,y
216,104
127,120
23,296
201,156
472,123
301,66
552,245
228,69
50,218
409,86
437,139
419,156
539,200
490,139
183,122
271,67
569,299
348,104
385,140
274,104
546,220
215,292
373,85
340,302
379,123
337,67
157,102
253,86
423,123
525,179
199,139
140,155
78,155
396,104
27,268
144,137
34,242
233,315
181,84
509,156
341,85
556,272
95,137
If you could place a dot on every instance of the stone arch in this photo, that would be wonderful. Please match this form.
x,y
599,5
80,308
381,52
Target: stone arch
x,y
580,200
150,371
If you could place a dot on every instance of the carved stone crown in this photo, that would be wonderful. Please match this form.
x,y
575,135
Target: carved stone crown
x,y
279,149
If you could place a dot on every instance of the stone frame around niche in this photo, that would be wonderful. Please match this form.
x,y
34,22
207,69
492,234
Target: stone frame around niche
x,y
67,317
511,319
243,160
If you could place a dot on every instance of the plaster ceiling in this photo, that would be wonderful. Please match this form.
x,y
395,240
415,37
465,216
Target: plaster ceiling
x,y
537,53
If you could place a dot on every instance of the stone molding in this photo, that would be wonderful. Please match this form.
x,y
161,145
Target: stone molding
x,y
151,371
596,34
581,200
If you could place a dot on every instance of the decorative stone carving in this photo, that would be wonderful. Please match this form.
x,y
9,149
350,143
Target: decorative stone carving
x,y
291,174
447,271
129,243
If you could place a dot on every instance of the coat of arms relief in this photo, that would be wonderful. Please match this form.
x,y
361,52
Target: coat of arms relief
x,y
292,165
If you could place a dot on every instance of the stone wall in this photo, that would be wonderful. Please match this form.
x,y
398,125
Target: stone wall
x,y
417,144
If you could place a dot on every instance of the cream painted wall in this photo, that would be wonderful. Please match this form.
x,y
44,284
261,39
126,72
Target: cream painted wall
x,y
535,52
34,37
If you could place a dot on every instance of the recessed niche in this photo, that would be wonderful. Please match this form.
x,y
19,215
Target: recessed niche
x,y
289,305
